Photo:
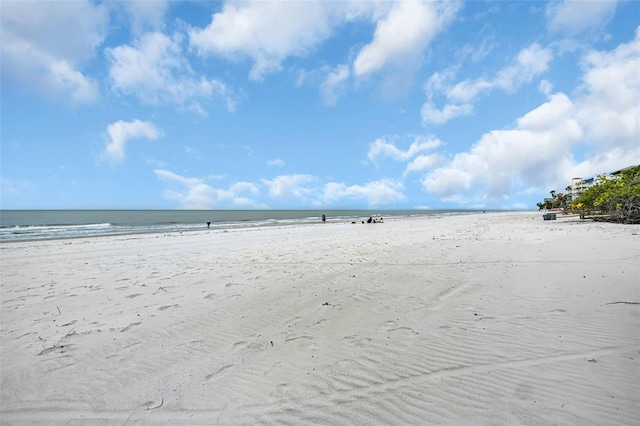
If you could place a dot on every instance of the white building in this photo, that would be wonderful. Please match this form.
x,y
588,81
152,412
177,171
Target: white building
x,y
579,185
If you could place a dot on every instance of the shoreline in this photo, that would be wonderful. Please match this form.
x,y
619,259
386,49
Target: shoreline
x,y
239,224
489,318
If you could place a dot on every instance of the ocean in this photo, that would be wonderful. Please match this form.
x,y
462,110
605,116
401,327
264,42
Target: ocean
x,y
26,225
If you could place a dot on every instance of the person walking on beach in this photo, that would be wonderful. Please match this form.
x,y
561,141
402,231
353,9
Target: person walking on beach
x,y
324,218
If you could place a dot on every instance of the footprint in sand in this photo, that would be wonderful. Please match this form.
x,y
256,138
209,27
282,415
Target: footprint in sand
x,y
164,308
292,338
389,324
130,326
393,326
357,340
223,369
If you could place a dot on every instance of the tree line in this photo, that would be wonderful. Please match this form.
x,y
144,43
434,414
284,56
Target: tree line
x,y
612,199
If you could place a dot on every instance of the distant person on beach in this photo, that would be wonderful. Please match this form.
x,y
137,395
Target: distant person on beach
x,y
208,224
324,218
370,220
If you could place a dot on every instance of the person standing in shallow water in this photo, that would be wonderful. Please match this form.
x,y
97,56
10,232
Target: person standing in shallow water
x,y
324,218
208,224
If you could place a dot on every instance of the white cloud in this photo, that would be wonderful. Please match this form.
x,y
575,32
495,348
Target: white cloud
x,y
378,193
575,16
268,33
154,70
276,163
422,163
237,196
121,132
537,152
401,37
265,32
381,148
546,148
530,62
610,108
431,114
545,87
193,193
45,44
144,14
244,187
291,186
604,118
334,84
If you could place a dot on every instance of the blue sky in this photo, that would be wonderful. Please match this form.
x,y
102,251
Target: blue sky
x,y
313,104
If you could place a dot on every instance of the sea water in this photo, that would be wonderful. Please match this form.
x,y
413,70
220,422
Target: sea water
x,y
24,225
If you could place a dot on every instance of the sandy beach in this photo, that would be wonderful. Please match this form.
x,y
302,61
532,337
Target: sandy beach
x,y
497,318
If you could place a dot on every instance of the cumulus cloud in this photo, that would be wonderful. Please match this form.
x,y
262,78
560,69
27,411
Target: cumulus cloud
x,y
377,193
45,44
422,163
195,193
265,32
144,14
609,109
154,70
432,114
121,132
238,196
268,33
401,37
308,190
191,193
305,190
301,186
546,147
530,62
541,152
382,148
537,151
575,16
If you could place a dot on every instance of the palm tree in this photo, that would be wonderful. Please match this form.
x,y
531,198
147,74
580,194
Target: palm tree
x,y
562,200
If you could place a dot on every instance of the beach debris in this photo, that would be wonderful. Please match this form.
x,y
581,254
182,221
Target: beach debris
x,y
592,360
326,304
624,303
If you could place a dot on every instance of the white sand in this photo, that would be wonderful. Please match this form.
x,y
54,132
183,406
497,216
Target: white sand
x,y
482,319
